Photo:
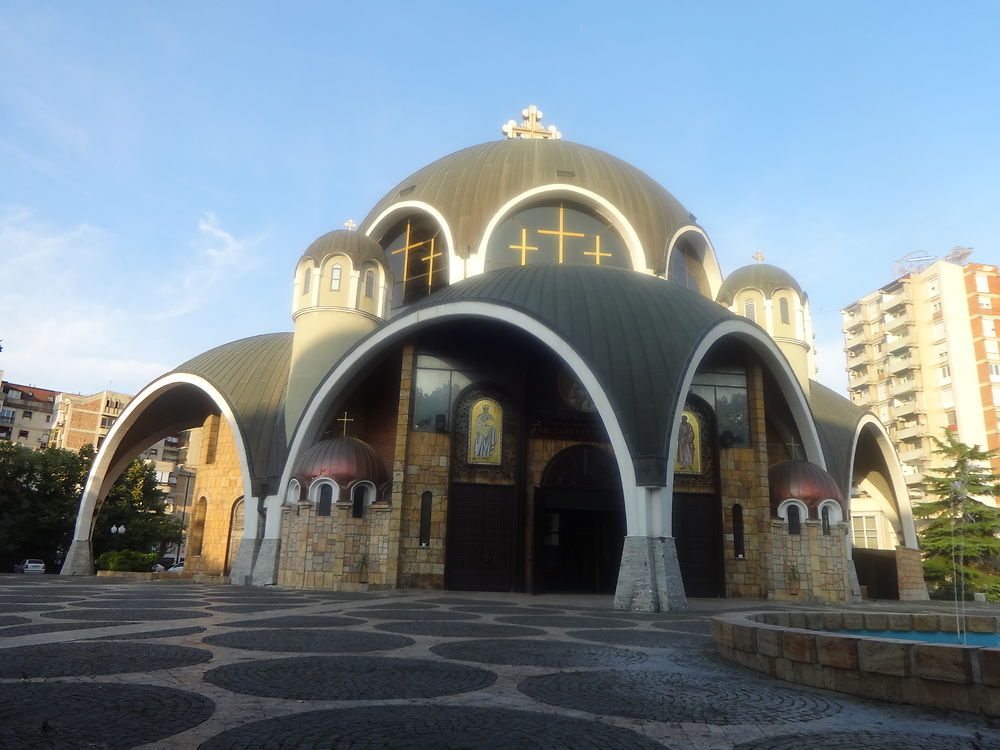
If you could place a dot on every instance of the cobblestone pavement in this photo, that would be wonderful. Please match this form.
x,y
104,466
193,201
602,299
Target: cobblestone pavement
x,y
172,665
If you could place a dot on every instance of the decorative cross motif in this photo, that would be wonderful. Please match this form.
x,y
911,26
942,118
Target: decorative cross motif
x,y
405,250
429,259
530,126
344,420
758,256
350,224
791,445
597,254
561,233
524,247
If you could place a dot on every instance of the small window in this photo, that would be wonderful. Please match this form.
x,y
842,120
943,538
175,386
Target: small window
x,y
794,519
931,285
325,500
306,279
944,375
26,415
989,328
783,310
335,274
426,505
750,310
824,516
982,283
370,284
359,497
739,543
22,434
984,303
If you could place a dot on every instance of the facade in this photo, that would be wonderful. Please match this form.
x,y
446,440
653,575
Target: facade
x,y
26,414
923,355
83,420
514,375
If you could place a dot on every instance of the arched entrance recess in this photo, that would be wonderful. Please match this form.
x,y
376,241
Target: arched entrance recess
x,y
237,523
579,522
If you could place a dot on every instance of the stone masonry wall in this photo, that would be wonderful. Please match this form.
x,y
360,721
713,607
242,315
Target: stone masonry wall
x,y
910,574
810,566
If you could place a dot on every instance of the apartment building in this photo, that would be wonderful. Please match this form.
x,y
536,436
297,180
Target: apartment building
x,y
81,420
26,414
922,354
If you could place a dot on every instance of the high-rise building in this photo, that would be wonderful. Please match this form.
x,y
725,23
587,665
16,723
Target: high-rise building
x,y
922,354
26,414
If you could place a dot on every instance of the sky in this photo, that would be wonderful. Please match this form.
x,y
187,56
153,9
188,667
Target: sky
x,y
164,165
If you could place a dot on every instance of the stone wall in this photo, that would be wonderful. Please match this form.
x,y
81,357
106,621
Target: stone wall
x,y
810,566
910,574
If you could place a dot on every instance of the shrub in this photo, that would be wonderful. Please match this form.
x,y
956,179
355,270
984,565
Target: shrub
x,y
128,560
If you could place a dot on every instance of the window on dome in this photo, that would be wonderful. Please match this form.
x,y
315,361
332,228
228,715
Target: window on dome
x,y
685,268
794,520
783,310
556,232
370,284
335,273
750,310
418,259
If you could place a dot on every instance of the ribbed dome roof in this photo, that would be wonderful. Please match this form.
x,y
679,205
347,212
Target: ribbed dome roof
x,y
470,186
355,245
767,278
345,460
803,481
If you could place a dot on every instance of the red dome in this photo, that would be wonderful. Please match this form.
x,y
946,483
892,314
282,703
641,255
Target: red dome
x,y
345,460
803,481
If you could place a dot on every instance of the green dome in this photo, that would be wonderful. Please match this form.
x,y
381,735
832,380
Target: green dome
x,y
354,245
762,276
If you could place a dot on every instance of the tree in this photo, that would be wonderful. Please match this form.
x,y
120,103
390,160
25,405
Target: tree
x,y
960,541
137,503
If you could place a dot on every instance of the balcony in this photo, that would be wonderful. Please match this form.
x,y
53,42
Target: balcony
x,y
895,322
909,431
898,342
904,408
892,301
901,386
852,340
6,419
910,455
858,378
915,477
900,364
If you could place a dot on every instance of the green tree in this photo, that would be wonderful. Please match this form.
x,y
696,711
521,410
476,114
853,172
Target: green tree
x,y
137,503
960,541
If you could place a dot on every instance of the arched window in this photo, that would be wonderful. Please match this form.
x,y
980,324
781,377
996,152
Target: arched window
x,y
739,544
750,310
361,498
426,502
794,520
793,513
293,493
370,284
783,310
336,271
306,279
830,514
325,500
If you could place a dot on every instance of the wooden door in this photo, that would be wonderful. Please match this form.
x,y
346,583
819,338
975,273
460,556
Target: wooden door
x,y
480,543
698,537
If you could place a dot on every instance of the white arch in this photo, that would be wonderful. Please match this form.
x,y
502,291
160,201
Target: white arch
x,y
456,268
317,484
899,489
98,479
477,261
713,271
803,510
293,493
836,511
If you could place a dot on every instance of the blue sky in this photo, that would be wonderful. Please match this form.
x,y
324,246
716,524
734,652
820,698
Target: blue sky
x,y
164,165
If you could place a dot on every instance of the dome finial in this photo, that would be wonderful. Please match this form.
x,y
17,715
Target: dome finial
x,y
350,224
530,126
758,256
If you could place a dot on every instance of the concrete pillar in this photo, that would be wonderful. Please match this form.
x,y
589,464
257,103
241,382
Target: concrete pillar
x,y
79,559
649,578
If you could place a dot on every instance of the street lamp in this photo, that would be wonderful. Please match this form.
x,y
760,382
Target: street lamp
x,y
118,529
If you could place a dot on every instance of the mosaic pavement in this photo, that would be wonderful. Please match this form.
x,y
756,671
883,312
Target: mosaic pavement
x,y
172,665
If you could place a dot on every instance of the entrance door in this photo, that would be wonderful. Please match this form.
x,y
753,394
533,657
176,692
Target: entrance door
x,y
698,537
480,537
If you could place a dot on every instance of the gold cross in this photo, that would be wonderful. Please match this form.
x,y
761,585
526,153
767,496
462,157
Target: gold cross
x,y
345,419
791,445
758,256
597,254
560,233
524,247
350,224
405,250
429,258
530,126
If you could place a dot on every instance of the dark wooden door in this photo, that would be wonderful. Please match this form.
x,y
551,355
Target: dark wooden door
x,y
480,552
698,537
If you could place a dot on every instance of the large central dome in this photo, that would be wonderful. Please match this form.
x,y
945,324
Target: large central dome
x,y
470,186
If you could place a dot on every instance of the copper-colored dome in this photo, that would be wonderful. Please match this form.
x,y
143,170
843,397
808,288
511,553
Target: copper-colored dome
x,y
803,481
345,460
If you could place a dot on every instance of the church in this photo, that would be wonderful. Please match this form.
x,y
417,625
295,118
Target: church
x,y
525,371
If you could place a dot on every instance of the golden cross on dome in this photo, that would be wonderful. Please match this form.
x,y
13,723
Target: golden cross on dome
x,y
350,224
597,254
560,233
345,419
429,259
405,250
524,247
758,256
530,126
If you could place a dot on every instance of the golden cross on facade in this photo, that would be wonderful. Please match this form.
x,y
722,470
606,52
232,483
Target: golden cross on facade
x,y
791,445
530,126
429,259
561,233
524,247
597,254
405,250
345,419
350,224
758,256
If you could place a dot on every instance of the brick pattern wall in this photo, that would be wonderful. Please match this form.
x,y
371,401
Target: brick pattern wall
x,y
810,566
910,574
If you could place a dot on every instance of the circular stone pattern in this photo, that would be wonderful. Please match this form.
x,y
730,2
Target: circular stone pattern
x,y
871,741
416,615
537,653
663,696
86,658
57,715
566,621
349,678
139,603
305,640
460,629
639,638
428,728
297,621
122,614
170,633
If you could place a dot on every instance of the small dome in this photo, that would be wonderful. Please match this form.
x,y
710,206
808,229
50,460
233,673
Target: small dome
x,y
356,245
345,460
803,481
767,278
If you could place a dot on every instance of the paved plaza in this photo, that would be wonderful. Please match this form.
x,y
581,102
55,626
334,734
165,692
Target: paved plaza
x,y
101,663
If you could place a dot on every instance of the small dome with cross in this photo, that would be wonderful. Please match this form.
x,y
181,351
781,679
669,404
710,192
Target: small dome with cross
x,y
345,460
